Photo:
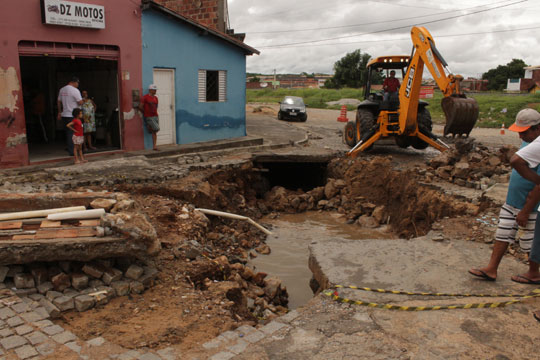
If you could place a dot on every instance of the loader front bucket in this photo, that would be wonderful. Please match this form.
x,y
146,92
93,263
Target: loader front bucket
x,y
461,114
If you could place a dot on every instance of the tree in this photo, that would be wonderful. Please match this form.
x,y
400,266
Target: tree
x,y
497,78
349,71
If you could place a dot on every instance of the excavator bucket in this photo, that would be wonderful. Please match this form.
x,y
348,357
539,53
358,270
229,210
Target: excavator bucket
x,y
461,114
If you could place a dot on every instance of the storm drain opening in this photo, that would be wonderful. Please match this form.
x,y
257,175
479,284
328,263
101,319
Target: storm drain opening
x,y
293,175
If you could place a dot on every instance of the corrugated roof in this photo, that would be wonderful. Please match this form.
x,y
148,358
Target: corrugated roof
x,y
150,4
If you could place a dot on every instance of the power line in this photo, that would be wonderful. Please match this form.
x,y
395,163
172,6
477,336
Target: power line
x,y
391,29
371,23
408,38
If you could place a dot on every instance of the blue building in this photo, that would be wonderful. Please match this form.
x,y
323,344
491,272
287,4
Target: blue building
x,y
200,74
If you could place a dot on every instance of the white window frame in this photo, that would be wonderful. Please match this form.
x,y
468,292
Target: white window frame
x,y
222,85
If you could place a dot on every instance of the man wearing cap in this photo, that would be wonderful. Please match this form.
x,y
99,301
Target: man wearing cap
x,y
69,98
149,106
519,210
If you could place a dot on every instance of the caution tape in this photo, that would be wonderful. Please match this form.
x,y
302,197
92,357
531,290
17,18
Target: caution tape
x,y
335,296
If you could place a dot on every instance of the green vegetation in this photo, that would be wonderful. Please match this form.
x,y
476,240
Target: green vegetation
x,y
491,104
497,78
349,71
315,98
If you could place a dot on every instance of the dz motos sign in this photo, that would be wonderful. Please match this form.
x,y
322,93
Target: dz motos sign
x,y
68,13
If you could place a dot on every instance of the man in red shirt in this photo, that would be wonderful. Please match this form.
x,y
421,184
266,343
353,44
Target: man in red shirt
x,y
390,85
149,106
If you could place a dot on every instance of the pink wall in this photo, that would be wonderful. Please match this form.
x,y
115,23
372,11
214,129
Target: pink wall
x,y
21,20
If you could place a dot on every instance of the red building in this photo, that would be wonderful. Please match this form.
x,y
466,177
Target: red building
x,y
45,43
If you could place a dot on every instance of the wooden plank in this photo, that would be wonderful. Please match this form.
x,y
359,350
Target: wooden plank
x,y
24,237
86,232
10,225
51,224
95,222
67,241
57,234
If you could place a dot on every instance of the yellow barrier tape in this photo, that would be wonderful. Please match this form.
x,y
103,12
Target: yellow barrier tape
x,y
335,296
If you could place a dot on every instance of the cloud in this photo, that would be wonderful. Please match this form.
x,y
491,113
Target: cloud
x,y
470,44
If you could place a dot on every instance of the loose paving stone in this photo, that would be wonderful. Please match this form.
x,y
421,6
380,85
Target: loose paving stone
x,y
45,349
71,293
24,329
21,307
149,356
15,321
24,281
136,287
3,272
51,295
36,297
84,302
111,275
45,287
224,355
34,316
36,337
93,270
53,330
64,337
240,346
272,327
6,332
64,303
134,272
26,352
120,287
74,346
79,281
254,337
6,313
167,354
50,308
229,335
96,341
25,292
13,342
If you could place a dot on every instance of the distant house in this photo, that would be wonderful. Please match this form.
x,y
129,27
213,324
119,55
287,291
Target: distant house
x,y
200,73
289,81
473,84
529,83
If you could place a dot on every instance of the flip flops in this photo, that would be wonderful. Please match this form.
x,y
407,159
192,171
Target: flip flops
x,y
520,279
482,275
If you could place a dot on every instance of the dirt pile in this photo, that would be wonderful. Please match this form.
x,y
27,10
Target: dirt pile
x,y
470,164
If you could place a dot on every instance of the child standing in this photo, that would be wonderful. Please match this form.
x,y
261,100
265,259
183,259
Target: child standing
x,y
78,136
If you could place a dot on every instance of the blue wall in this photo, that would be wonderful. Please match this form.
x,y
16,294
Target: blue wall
x,y
170,43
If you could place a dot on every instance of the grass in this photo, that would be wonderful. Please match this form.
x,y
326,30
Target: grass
x,y
491,104
314,98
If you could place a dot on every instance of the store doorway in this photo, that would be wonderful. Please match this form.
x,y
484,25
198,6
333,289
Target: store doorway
x,y
42,78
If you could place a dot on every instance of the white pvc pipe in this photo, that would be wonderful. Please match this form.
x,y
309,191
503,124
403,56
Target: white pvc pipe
x,y
38,213
235,217
85,214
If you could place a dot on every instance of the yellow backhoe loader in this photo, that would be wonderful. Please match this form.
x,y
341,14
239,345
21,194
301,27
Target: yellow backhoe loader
x,y
404,116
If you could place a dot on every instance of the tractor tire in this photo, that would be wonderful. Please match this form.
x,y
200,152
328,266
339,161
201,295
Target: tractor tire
x,y
403,141
279,115
349,134
425,125
366,120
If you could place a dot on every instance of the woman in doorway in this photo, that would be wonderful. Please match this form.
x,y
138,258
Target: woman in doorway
x,y
89,115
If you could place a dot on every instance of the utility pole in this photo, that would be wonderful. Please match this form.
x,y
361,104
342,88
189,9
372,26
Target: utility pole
x,y
275,79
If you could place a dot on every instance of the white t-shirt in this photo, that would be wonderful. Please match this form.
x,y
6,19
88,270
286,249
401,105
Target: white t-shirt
x,y
69,96
531,153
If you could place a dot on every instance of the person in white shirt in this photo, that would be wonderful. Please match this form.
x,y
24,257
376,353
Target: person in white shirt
x,y
69,98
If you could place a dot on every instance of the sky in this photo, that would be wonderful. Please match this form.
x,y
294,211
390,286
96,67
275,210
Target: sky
x,y
311,35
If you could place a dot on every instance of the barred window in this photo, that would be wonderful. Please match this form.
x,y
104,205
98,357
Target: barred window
x,y
212,85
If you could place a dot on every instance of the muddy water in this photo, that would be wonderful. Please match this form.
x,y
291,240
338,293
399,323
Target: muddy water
x,y
289,242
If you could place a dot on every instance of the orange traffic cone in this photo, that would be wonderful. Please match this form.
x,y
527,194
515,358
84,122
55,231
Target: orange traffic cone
x,y
502,129
343,116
